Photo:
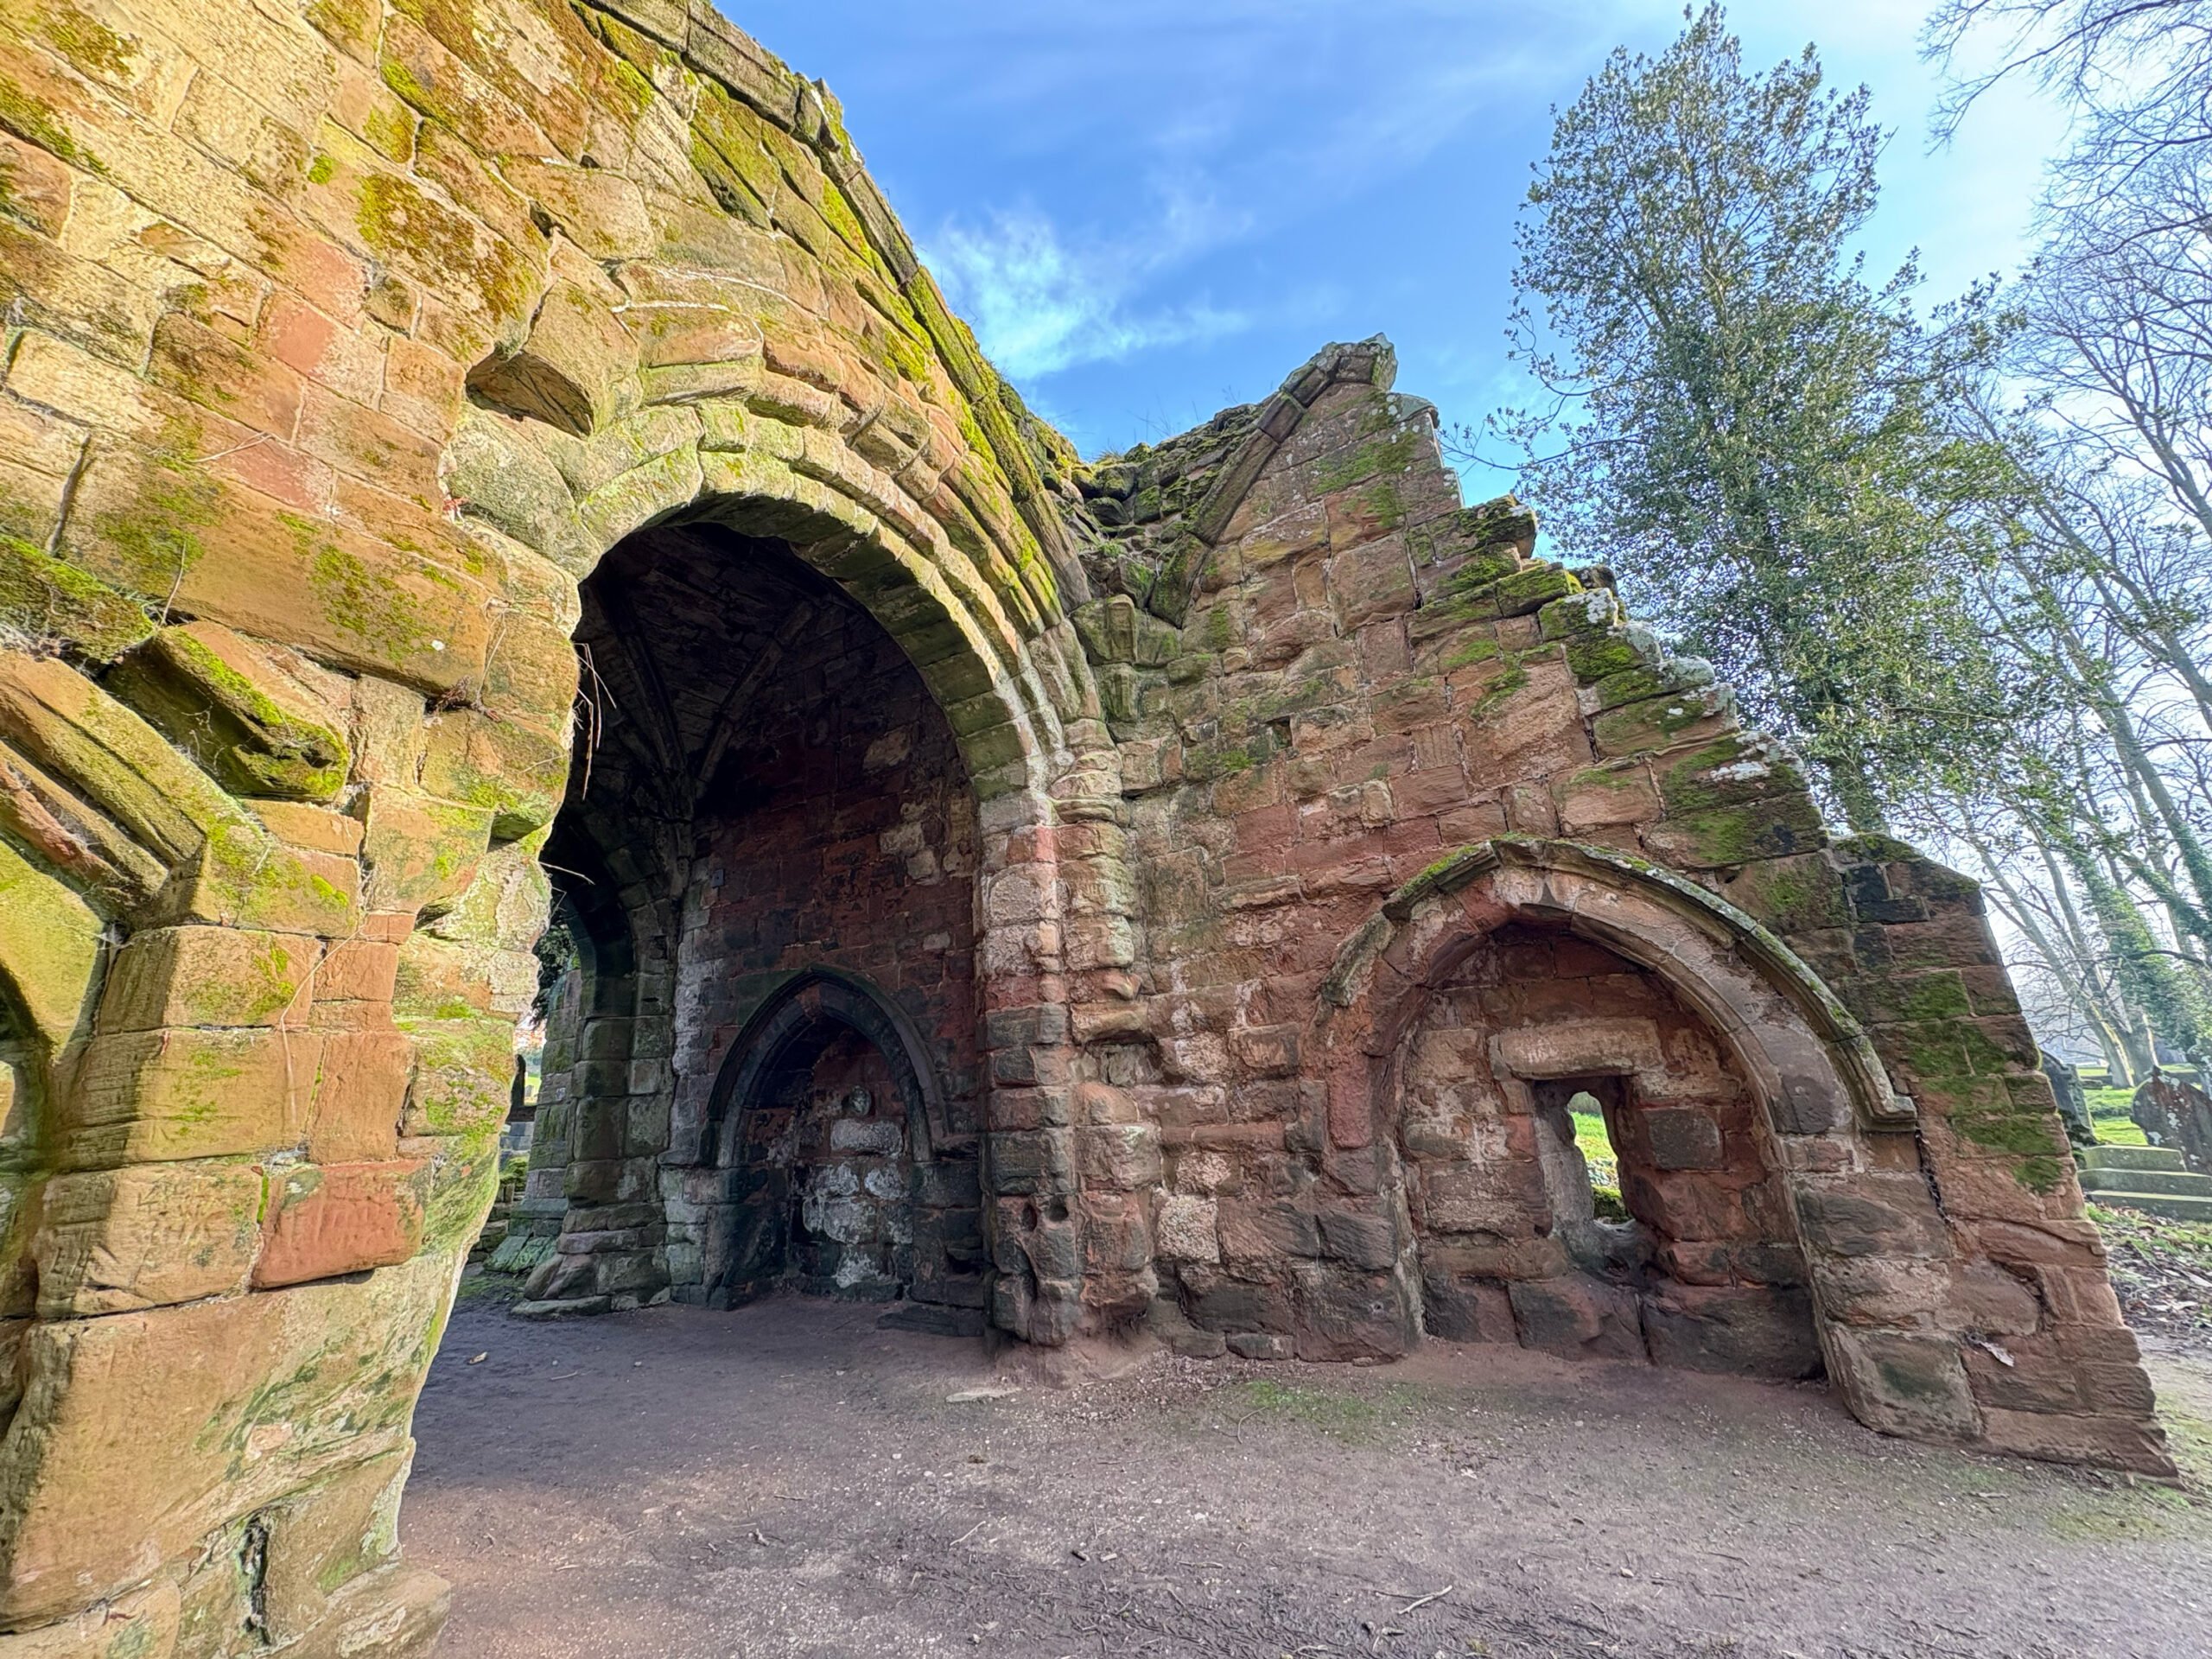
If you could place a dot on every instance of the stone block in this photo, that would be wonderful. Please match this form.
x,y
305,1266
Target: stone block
x,y
1465,1310
140,1418
1362,1238
162,1095
1037,1162
310,828
2132,1443
1597,796
463,1076
209,976
1738,834
231,704
1577,1318
1165,1319
1123,1157
515,769
1740,1331
1186,1230
1343,1313
1871,1214
422,854
1904,1384
1252,1231
140,1625
322,587
394,1613
1682,1137
326,1536
359,1095
45,598
115,1241
326,1220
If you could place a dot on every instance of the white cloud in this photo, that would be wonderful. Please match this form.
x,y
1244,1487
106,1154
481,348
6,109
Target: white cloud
x,y
1040,304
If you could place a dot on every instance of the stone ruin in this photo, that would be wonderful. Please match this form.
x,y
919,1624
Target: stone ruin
x,y
1179,894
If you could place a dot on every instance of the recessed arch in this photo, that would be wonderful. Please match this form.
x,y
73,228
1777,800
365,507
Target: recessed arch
x,y
1808,1052
1827,1100
814,995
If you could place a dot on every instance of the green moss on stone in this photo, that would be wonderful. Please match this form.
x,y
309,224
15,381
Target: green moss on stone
x,y
38,122
1365,460
48,598
1466,655
1513,679
155,536
1532,588
1594,659
88,43
400,222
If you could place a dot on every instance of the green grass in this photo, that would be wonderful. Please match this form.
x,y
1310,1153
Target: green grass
x,y
1605,1165
1597,1150
2108,1111
2186,1244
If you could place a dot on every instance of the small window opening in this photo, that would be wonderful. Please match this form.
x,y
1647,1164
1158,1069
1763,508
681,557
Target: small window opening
x,y
1599,1159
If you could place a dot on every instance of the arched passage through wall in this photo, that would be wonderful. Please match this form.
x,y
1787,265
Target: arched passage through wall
x,y
765,785
1822,1130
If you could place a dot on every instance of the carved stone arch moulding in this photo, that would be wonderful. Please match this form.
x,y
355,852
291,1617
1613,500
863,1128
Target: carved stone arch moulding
x,y
1898,1290
803,1001
1807,1053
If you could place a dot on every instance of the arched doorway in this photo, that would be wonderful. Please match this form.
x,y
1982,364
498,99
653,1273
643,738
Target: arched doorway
x,y
828,1165
768,854
1838,1175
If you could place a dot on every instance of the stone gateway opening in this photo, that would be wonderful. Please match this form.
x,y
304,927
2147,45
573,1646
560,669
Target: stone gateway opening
x,y
768,852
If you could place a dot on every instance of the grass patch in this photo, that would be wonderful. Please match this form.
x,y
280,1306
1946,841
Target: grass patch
x,y
1598,1153
2108,1111
1334,1412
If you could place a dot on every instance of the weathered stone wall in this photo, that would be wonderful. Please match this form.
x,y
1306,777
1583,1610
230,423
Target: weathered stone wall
x,y
345,341
1380,732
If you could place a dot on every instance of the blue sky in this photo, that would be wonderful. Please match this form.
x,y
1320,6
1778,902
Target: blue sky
x,y
1153,209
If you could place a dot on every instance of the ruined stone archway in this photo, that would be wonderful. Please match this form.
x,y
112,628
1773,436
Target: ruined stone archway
x,y
1864,1215
764,786
327,761
421,313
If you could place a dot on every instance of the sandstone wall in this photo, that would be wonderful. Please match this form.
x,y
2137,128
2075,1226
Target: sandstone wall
x,y
1382,731
344,339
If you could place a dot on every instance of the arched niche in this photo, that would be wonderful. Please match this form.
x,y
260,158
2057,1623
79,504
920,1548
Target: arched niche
x,y
1837,1134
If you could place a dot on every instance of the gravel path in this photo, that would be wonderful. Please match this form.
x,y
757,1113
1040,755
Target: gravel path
x,y
790,1480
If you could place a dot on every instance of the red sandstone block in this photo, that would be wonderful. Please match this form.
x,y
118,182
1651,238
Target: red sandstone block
x,y
359,1095
358,970
2115,1442
348,359
197,363
357,441
330,1219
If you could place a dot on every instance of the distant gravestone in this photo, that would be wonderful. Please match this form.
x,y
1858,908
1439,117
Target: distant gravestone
x,y
2073,1104
2171,1113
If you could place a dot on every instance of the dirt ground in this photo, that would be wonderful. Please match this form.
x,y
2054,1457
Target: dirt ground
x,y
790,1480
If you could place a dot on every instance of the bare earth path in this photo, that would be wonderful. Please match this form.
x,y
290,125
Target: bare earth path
x,y
790,1480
